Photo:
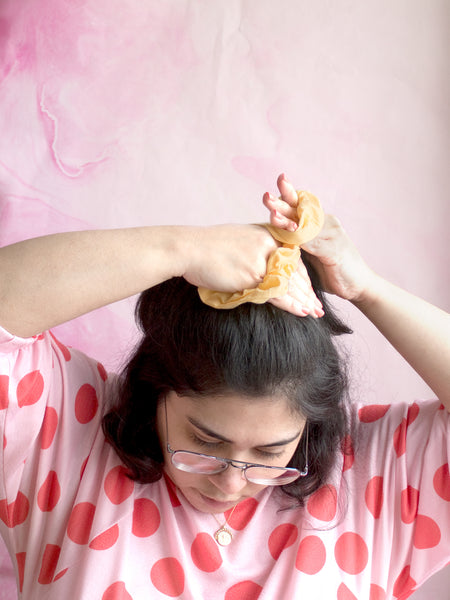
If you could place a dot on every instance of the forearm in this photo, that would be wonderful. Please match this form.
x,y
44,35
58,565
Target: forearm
x,y
419,331
48,280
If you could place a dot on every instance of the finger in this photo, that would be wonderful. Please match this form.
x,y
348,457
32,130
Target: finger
x,y
301,290
287,191
300,298
301,283
281,214
296,307
278,220
289,304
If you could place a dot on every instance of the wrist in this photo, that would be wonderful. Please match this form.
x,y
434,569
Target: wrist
x,y
181,245
371,292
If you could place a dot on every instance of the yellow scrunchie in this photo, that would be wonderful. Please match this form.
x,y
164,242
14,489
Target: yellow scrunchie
x,y
282,262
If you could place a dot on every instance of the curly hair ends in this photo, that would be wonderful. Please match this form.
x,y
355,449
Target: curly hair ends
x,y
252,350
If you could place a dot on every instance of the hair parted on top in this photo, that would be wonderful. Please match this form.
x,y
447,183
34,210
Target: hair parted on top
x,y
253,350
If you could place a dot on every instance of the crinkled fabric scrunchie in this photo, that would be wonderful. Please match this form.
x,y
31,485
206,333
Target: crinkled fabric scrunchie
x,y
282,262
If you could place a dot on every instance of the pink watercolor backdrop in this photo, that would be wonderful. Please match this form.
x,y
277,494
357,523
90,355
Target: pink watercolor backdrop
x,y
122,112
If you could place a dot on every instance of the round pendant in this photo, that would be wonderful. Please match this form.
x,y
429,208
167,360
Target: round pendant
x,y
223,536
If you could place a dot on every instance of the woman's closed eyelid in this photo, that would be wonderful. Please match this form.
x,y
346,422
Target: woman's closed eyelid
x,y
215,444
211,443
270,454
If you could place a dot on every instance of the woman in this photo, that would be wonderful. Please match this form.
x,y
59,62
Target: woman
x,y
272,488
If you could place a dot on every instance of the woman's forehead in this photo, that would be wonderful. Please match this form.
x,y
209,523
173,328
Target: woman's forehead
x,y
237,417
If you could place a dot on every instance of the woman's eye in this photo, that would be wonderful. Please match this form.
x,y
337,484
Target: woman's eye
x,y
203,443
272,455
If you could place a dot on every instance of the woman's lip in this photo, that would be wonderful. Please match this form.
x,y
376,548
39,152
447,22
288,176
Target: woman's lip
x,y
218,505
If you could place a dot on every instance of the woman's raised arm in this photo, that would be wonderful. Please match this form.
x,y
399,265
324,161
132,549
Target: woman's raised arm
x,y
419,331
48,280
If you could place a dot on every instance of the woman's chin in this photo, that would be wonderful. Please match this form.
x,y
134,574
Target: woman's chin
x,y
207,504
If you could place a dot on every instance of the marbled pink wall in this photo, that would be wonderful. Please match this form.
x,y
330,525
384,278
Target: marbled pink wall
x,y
123,112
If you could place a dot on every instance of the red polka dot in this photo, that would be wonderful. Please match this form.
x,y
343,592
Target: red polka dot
x,y
400,438
323,503
373,412
242,514
172,491
117,591
374,496
282,537
64,350
80,522
413,413
344,593
49,493
146,518
409,502
20,558
102,371
441,482
118,486
244,590
351,553
16,512
404,584
167,576
60,574
427,533
401,431
30,388
105,540
4,387
205,553
86,404
49,425
376,592
83,467
49,562
348,451
311,555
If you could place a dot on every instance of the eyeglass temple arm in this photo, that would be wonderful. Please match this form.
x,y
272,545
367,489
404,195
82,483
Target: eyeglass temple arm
x,y
305,470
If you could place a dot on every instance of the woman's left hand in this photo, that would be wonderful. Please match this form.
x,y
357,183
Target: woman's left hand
x,y
300,298
339,265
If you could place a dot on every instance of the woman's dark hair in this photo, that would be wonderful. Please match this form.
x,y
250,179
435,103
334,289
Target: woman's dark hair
x,y
253,350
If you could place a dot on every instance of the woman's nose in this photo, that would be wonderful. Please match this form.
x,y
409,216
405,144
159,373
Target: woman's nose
x,y
230,481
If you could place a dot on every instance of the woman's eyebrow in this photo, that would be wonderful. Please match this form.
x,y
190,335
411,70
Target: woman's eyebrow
x,y
220,437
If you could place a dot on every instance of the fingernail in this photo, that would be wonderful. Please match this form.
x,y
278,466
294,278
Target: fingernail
x,y
319,312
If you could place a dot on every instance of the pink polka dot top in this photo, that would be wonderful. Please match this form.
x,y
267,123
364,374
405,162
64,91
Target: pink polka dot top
x,y
77,527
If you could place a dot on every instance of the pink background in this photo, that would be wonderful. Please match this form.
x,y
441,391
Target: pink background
x,y
122,112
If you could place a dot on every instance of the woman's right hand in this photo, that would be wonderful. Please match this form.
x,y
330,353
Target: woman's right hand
x,y
230,258
227,258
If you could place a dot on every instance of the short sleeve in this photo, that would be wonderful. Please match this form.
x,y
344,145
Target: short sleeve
x,y
52,400
402,481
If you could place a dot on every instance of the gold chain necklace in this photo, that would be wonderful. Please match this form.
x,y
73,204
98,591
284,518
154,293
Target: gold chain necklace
x,y
223,535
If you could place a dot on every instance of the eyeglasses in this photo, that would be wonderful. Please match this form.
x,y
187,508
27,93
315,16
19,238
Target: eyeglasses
x,y
205,464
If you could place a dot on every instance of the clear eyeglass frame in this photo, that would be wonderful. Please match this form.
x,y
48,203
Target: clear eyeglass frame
x,y
207,464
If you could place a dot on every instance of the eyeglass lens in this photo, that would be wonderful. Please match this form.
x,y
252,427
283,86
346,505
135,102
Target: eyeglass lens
x,y
209,465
